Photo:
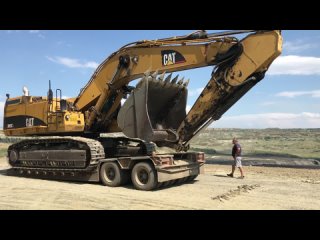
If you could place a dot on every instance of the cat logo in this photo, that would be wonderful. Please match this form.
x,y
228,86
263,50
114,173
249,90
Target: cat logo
x,y
171,57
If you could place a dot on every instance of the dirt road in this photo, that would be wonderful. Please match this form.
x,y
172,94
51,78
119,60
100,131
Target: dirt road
x,y
263,188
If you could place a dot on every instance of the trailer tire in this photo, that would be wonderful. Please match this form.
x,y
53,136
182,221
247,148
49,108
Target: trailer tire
x,y
111,175
144,176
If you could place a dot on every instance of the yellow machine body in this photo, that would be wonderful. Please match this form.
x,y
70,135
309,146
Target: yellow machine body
x,y
28,115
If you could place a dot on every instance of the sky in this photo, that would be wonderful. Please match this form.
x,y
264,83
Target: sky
x,y
288,97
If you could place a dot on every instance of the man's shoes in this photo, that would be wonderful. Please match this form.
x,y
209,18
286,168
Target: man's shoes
x,y
242,177
230,175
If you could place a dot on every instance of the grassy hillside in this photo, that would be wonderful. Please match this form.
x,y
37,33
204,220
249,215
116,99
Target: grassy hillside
x,y
304,143
5,142
3,149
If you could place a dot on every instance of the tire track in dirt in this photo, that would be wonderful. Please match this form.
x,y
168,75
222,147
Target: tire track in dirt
x,y
311,181
236,192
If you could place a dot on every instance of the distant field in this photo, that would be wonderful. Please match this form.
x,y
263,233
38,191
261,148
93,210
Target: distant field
x,y
4,143
303,143
3,149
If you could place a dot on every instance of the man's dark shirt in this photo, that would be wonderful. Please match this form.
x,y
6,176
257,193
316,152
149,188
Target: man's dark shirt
x,y
234,150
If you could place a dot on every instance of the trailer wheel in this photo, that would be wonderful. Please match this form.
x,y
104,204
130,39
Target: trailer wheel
x,y
111,175
144,176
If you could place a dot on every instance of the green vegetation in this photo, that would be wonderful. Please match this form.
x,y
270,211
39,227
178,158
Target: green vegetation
x,y
5,142
302,143
3,149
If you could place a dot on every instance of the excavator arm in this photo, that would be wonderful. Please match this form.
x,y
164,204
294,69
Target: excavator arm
x,y
230,81
155,109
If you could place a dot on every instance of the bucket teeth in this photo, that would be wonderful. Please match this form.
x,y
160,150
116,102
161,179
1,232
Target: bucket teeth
x,y
155,74
161,77
180,81
164,80
175,79
147,73
186,83
168,78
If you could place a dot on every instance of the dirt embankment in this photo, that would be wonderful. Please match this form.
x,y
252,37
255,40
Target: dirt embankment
x,y
263,188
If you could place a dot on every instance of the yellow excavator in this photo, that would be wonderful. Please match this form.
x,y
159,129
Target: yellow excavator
x,y
78,138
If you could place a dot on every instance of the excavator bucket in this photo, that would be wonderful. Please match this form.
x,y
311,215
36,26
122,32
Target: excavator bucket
x,y
155,108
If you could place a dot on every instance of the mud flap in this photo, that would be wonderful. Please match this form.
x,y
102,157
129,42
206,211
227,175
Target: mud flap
x,y
155,109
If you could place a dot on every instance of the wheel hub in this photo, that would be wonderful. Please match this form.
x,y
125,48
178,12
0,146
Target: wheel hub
x,y
143,176
110,173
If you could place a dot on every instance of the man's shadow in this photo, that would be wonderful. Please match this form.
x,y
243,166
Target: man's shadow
x,y
219,175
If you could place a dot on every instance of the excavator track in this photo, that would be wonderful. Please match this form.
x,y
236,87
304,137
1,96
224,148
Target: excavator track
x,y
43,161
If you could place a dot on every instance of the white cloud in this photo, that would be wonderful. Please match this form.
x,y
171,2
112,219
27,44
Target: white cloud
x,y
195,92
38,32
267,103
1,114
292,94
270,120
12,31
188,108
63,43
35,32
298,46
295,65
73,63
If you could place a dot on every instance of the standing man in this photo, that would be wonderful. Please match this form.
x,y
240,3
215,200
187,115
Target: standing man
x,y
236,154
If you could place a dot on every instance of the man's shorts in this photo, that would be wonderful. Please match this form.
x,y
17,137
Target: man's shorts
x,y
237,162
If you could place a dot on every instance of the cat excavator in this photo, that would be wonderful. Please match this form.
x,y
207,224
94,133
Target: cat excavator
x,y
113,132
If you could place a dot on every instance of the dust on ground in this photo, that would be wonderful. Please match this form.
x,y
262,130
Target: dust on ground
x,y
262,188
